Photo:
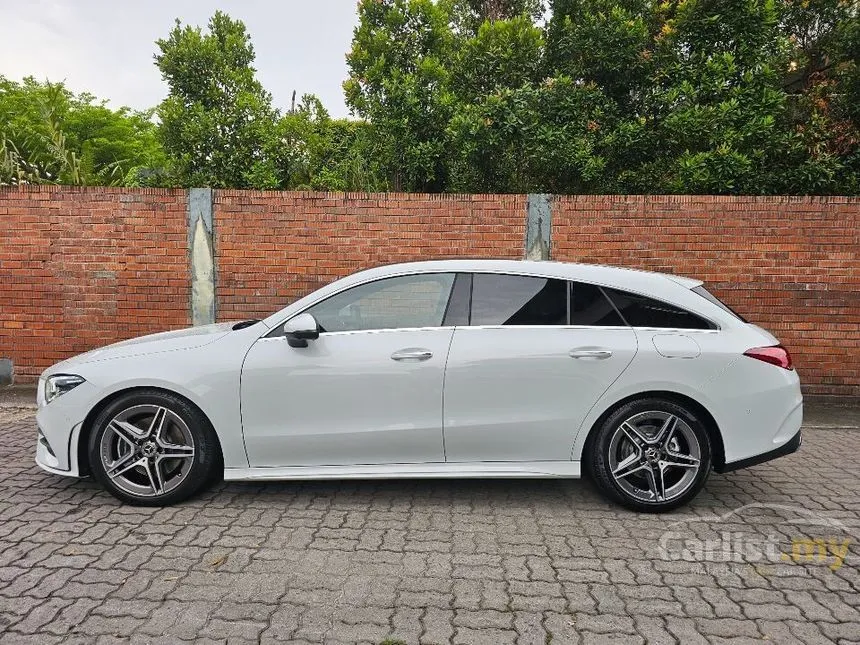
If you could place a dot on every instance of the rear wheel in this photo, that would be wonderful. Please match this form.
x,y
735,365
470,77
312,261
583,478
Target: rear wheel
x,y
152,448
651,455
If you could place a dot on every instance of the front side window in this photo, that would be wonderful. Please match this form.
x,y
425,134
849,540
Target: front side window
x,y
392,303
641,311
518,300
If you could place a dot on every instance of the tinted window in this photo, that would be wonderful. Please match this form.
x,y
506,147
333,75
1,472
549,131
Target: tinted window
x,y
392,303
707,295
588,306
518,300
640,311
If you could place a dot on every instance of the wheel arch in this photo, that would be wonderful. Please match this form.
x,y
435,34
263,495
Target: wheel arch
x,y
89,420
718,453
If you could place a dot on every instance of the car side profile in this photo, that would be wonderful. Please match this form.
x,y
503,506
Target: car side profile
x,y
455,368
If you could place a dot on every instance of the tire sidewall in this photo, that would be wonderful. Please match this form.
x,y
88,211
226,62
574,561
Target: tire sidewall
x,y
599,453
205,450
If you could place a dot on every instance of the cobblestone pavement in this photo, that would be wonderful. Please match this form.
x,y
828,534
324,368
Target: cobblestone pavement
x,y
476,561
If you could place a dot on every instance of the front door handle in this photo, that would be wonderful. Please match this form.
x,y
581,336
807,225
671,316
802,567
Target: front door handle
x,y
412,354
596,354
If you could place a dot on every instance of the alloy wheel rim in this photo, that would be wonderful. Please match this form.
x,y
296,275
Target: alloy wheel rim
x,y
147,450
654,456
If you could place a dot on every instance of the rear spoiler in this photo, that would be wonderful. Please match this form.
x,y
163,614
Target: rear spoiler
x,y
689,283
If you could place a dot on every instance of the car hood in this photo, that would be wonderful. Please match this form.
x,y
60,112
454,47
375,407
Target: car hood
x,y
152,343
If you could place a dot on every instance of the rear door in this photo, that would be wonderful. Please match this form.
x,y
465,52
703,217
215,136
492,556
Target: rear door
x,y
532,361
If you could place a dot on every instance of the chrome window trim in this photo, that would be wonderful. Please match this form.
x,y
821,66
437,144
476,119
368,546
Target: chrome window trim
x,y
685,330
572,327
507,327
369,331
592,327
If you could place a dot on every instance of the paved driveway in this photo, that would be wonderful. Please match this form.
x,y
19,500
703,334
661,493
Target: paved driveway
x,y
434,562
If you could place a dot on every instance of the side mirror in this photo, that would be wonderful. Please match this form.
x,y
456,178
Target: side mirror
x,y
301,329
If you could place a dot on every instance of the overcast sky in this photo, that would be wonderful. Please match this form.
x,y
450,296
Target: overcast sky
x,y
106,47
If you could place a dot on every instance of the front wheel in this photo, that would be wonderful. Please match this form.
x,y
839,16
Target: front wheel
x,y
152,448
651,455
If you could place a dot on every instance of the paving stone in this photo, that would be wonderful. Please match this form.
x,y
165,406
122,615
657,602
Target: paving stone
x,y
438,625
528,562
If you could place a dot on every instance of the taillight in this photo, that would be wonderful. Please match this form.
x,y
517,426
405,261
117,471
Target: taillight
x,y
775,355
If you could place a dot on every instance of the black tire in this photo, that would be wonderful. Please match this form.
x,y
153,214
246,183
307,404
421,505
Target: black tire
x,y
607,444
194,469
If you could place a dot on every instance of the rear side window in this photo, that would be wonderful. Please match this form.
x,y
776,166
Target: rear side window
x,y
518,300
641,311
589,306
707,295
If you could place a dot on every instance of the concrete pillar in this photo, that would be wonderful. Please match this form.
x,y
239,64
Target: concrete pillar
x,y
538,227
201,253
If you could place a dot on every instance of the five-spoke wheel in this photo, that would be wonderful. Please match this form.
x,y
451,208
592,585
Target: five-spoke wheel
x,y
152,447
147,450
651,455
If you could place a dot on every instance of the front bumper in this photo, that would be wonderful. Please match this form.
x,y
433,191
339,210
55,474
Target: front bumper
x,y
60,424
785,449
62,459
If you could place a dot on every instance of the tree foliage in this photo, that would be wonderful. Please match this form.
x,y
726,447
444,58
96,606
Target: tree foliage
x,y
217,120
322,153
220,129
685,96
50,135
563,96
399,83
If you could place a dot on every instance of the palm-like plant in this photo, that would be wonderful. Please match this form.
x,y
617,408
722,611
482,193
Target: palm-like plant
x,y
45,156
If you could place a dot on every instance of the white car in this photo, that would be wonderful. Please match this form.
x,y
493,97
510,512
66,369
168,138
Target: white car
x,y
456,368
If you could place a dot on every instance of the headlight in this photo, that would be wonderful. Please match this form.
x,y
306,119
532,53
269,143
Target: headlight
x,y
59,384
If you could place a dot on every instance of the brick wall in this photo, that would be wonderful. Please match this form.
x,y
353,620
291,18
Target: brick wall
x,y
81,268
273,248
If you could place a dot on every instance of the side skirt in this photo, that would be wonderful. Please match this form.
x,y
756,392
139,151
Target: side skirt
x,y
500,469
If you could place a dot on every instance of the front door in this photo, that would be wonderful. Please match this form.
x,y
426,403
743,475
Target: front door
x,y
367,391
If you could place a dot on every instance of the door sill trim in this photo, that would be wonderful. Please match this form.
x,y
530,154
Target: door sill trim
x,y
500,469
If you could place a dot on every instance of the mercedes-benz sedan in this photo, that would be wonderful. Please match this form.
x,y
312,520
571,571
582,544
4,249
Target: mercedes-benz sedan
x,y
458,368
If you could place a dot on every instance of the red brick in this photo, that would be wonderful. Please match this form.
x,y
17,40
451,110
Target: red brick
x,y
789,264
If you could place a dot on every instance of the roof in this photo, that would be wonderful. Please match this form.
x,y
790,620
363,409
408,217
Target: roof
x,y
611,276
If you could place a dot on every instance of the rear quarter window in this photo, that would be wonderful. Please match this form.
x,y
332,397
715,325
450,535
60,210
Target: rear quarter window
x,y
642,311
707,295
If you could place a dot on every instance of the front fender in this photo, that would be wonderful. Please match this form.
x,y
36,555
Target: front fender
x,y
207,376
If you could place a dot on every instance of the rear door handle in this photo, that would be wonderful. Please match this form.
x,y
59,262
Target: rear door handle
x,y
412,354
596,354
